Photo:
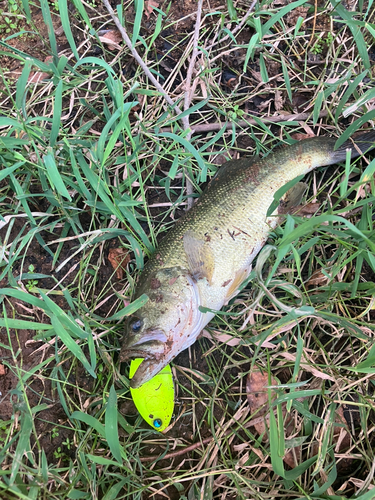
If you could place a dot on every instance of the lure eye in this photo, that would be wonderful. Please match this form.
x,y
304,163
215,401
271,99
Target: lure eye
x,y
157,423
136,325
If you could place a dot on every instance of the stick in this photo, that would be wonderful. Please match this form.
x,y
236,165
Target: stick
x,y
208,127
188,96
177,453
138,58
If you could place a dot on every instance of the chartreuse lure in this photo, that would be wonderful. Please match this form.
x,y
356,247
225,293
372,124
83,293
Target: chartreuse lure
x,y
154,399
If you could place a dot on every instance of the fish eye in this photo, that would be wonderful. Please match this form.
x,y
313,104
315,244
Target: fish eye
x,y
136,325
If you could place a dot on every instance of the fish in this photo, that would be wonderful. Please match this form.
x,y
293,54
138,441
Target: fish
x,y
208,253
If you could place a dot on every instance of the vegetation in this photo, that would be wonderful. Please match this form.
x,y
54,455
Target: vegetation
x,y
95,157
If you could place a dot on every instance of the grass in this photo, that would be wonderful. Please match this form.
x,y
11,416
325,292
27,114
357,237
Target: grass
x,y
93,157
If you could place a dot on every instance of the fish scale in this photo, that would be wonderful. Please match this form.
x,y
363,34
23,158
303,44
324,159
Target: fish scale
x,y
207,254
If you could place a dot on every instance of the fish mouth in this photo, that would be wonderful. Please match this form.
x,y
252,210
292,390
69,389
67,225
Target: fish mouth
x,y
146,371
151,345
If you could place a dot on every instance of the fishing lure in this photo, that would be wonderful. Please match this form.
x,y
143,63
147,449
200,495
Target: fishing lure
x,y
154,399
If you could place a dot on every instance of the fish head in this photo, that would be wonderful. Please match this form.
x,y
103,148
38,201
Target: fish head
x,y
168,323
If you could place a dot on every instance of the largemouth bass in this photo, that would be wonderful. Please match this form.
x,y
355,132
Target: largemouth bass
x,y
207,254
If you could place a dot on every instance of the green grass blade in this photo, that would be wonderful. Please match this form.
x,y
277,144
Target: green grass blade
x,y
276,459
79,6
286,79
95,62
64,16
124,123
54,176
19,324
114,491
281,13
130,309
48,20
361,102
250,49
21,87
56,120
191,149
139,6
26,8
8,170
111,427
90,421
187,112
263,69
318,106
71,345
349,91
65,320
23,445
368,173
356,32
354,127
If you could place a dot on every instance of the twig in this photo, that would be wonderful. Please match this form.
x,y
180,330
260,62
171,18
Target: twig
x,y
189,74
138,58
185,120
177,453
208,127
188,94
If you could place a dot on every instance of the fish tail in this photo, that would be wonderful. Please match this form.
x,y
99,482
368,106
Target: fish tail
x,y
363,143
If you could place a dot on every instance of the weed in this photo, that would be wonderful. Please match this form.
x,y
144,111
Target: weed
x,y
10,15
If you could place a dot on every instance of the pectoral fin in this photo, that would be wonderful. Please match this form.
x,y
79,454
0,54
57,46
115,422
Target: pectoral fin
x,y
200,257
292,198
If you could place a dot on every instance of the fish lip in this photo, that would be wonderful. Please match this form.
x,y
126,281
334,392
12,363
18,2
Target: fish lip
x,y
152,350
148,345
146,371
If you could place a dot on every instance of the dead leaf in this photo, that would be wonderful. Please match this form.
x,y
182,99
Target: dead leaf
x,y
317,279
257,384
38,76
279,100
119,258
301,137
305,210
111,38
149,7
257,395
263,105
341,435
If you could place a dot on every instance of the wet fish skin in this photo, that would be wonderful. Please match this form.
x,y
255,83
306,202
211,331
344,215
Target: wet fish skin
x,y
208,253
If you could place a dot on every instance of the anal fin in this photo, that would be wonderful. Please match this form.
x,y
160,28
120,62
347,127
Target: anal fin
x,y
237,281
292,198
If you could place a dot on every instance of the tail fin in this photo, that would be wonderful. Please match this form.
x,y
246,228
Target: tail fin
x,y
359,145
